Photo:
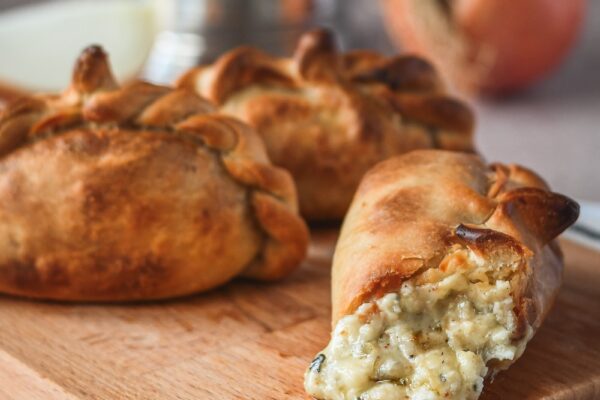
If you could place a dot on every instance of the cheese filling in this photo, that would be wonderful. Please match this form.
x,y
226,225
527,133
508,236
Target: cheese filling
x,y
432,339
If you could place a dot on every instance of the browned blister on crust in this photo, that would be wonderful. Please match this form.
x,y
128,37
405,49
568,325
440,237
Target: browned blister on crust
x,y
138,192
411,211
327,117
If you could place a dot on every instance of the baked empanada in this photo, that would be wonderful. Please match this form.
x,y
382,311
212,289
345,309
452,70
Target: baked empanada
x,y
328,117
139,192
444,270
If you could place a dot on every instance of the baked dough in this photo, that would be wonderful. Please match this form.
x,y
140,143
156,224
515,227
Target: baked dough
x,y
134,193
327,117
444,269
9,94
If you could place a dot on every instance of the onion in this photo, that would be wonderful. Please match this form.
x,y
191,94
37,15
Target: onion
x,y
494,46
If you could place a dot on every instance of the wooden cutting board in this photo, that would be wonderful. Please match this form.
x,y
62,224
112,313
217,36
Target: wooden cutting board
x,y
253,341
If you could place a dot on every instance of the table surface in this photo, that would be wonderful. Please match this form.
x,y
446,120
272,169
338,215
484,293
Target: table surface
x,y
254,341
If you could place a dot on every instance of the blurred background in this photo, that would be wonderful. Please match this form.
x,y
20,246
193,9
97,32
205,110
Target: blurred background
x,y
549,122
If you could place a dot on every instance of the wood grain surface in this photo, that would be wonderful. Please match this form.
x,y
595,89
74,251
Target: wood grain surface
x,y
253,341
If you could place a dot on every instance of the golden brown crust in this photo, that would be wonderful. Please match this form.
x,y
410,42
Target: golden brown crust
x,y
134,193
328,117
8,94
412,210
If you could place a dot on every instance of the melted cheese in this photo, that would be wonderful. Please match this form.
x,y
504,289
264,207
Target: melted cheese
x,y
427,341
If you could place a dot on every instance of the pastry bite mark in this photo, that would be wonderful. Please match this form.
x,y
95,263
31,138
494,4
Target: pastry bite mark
x,y
149,193
430,339
328,116
444,269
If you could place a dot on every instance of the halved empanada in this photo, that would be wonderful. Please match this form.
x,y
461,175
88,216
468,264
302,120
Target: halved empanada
x,y
444,270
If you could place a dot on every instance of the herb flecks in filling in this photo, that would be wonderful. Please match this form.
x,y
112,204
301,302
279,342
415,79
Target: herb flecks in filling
x,y
316,364
431,339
